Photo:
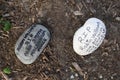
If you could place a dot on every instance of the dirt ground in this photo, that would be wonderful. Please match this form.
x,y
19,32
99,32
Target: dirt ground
x,y
62,18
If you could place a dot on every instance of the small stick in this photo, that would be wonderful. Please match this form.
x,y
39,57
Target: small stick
x,y
25,78
5,35
1,37
17,27
79,6
85,5
5,76
77,67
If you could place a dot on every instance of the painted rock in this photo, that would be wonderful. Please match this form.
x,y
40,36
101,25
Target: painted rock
x,y
31,43
89,37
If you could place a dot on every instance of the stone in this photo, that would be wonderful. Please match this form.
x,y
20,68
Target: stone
x,y
117,18
89,37
72,77
31,43
100,76
76,75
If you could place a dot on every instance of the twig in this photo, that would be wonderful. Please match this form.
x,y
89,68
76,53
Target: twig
x,y
5,35
25,78
79,5
80,71
1,37
85,5
110,6
4,75
77,67
17,27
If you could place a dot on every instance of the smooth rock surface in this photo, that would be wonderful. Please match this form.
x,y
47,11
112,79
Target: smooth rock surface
x,y
31,43
89,37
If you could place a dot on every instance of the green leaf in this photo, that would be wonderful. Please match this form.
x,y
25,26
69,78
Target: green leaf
x,y
7,70
6,25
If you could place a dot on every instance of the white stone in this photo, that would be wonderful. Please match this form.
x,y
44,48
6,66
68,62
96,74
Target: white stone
x,y
31,43
89,37
100,76
76,74
71,77
112,77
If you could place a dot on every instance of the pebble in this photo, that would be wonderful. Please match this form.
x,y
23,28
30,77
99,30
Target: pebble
x,y
112,77
31,43
76,74
100,76
72,77
89,37
117,18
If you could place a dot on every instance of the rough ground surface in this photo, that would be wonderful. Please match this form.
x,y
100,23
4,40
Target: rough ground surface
x,y
62,18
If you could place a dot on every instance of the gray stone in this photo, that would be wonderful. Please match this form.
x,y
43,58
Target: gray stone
x,y
117,18
31,43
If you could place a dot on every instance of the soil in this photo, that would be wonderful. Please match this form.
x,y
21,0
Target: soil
x,y
58,60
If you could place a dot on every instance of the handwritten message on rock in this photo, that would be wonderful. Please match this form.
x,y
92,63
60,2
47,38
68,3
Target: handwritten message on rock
x,y
31,43
89,37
